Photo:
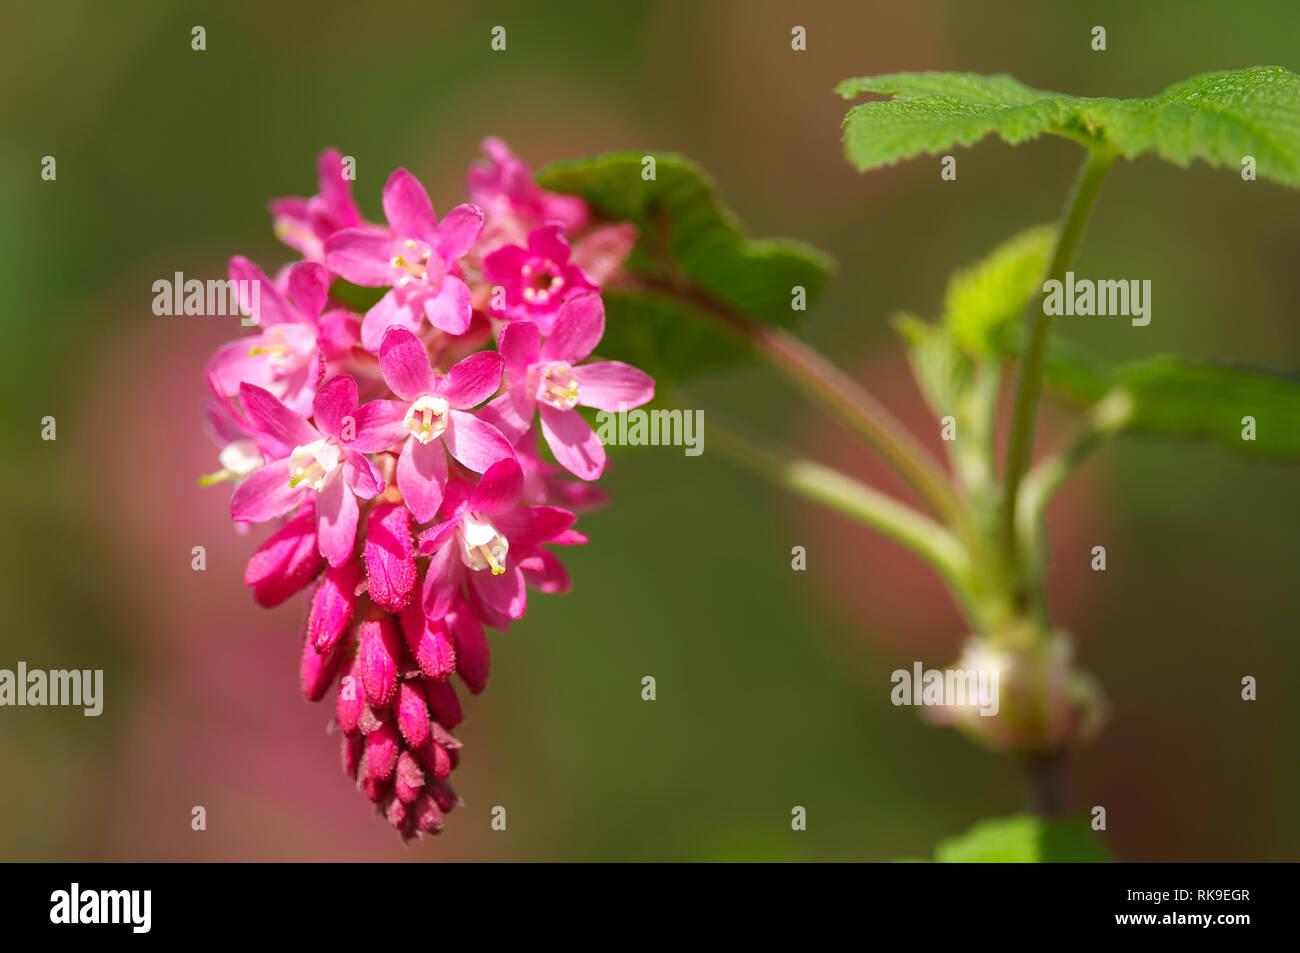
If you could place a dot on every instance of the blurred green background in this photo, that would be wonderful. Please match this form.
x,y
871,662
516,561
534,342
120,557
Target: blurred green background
x,y
773,685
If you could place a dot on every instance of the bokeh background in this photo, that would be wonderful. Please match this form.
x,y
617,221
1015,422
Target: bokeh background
x,y
773,685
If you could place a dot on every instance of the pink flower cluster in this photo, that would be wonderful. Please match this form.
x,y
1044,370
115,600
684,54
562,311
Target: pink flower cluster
x,y
398,451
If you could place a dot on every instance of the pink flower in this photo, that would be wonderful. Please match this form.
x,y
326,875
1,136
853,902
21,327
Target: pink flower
x,y
305,224
415,255
504,187
476,549
433,412
327,462
302,450
284,358
547,376
537,279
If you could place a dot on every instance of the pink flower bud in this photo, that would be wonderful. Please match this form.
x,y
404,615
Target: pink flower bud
x,y
409,779
443,703
427,815
435,759
286,562
375,789
412,714
381,751
444,795
473,657
397,815
350,750
318,669
378,657
332,605
351,701
429,642
390,556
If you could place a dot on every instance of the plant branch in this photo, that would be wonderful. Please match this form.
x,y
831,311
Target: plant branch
x,y
834,390
832,489
1030,386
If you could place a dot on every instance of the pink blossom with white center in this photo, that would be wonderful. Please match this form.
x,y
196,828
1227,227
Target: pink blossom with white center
x,y
471,548
433,413
536,280
284,358
304,453
546,376
327,462
305,224
414,257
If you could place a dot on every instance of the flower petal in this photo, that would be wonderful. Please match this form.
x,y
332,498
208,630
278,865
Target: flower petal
x,y
268,416
258,296
574,443
506,593
265,494
520,346
613,385
458,231
362,255
378,425
336,521
471,381
452,307
395,309
499,487
335,405
441,581
360,473
408,209
404,362
577,330
527,526
421,475
309,286
475,443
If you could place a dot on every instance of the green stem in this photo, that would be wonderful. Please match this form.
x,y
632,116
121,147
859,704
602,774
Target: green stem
x,y
1021,441
832,489
834,390
1105,418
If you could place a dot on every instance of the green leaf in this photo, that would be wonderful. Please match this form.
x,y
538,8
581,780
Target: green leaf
x,y
1024,839
985,301
690,248
1176,397
1216,117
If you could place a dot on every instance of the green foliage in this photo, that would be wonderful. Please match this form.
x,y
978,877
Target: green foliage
x,y
985,302
1217,117
982,307
691,253
1174,397
1024,839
